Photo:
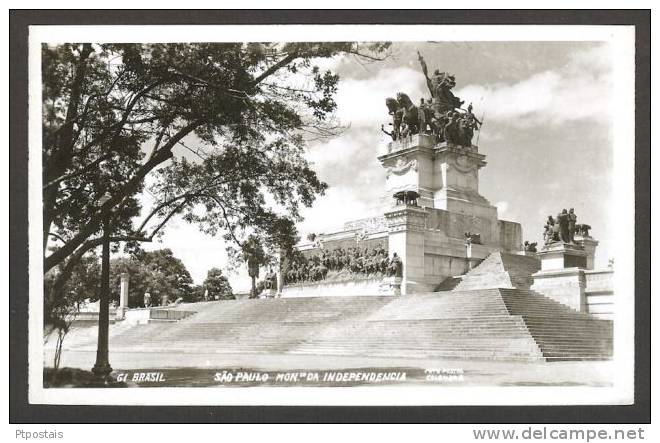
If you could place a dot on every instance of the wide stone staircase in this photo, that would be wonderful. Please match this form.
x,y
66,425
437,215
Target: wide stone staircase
x,y
489,314
496,324
560,332
450,325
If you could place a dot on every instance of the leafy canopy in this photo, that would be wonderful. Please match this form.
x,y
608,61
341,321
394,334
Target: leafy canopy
x,y
218,285
216,130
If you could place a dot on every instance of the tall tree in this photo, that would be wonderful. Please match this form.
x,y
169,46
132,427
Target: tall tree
x,y
157,272
218,285
116,114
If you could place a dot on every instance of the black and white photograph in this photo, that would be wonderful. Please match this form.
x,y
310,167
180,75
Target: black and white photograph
x,y
377,215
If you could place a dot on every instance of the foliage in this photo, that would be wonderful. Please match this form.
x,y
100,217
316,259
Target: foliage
x,y
117,114
61,311
157,272
195,295
218,285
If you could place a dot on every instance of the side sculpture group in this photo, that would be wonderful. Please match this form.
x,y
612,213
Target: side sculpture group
x,y
563,228
354,260
440,115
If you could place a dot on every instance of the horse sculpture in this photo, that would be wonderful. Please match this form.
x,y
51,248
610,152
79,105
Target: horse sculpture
x,y
396,112
405,113
410,112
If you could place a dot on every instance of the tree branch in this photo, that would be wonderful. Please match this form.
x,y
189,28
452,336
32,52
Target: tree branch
x,y
89,167
162,155
285,61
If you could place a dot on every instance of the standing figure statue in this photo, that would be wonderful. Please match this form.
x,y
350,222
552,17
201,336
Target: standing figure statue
x,y
549,230
572,220
395,268
469,123
421,116
562,221
451,130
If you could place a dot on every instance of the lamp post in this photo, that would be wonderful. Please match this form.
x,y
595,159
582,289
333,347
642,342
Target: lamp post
x,y
102,367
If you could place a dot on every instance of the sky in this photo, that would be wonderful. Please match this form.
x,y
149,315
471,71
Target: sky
x,y
547,134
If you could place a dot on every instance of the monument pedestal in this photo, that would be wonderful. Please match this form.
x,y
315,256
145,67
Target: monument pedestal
x,y
456,184
562,255
566,286
406,226
391,286
562,275
445,176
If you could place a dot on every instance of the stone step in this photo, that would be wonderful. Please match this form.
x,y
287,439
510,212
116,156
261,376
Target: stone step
x,y
447,355
458,324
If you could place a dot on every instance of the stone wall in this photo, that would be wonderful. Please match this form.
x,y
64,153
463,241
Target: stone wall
x,y
368,286
599,293
582,290
455,225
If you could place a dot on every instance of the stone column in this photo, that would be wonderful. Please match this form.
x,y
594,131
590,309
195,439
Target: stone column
x,y
123,296
406,226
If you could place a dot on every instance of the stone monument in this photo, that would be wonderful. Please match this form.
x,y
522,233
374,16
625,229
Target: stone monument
x,y
567,253
431,195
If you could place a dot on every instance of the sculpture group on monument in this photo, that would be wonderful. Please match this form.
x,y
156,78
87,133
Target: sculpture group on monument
x,y
563,228
440,116
352,260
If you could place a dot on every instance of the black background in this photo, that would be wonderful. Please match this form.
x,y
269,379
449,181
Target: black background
x,y
22,412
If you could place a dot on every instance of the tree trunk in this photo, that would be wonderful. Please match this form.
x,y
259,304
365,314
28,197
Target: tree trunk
x,y
58,348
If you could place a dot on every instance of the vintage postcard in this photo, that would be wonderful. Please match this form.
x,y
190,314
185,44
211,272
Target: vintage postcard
x,y
331,215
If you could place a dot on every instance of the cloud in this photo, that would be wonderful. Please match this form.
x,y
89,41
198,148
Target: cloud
x,y
502,207
578,90
355,178
331,211
362,102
